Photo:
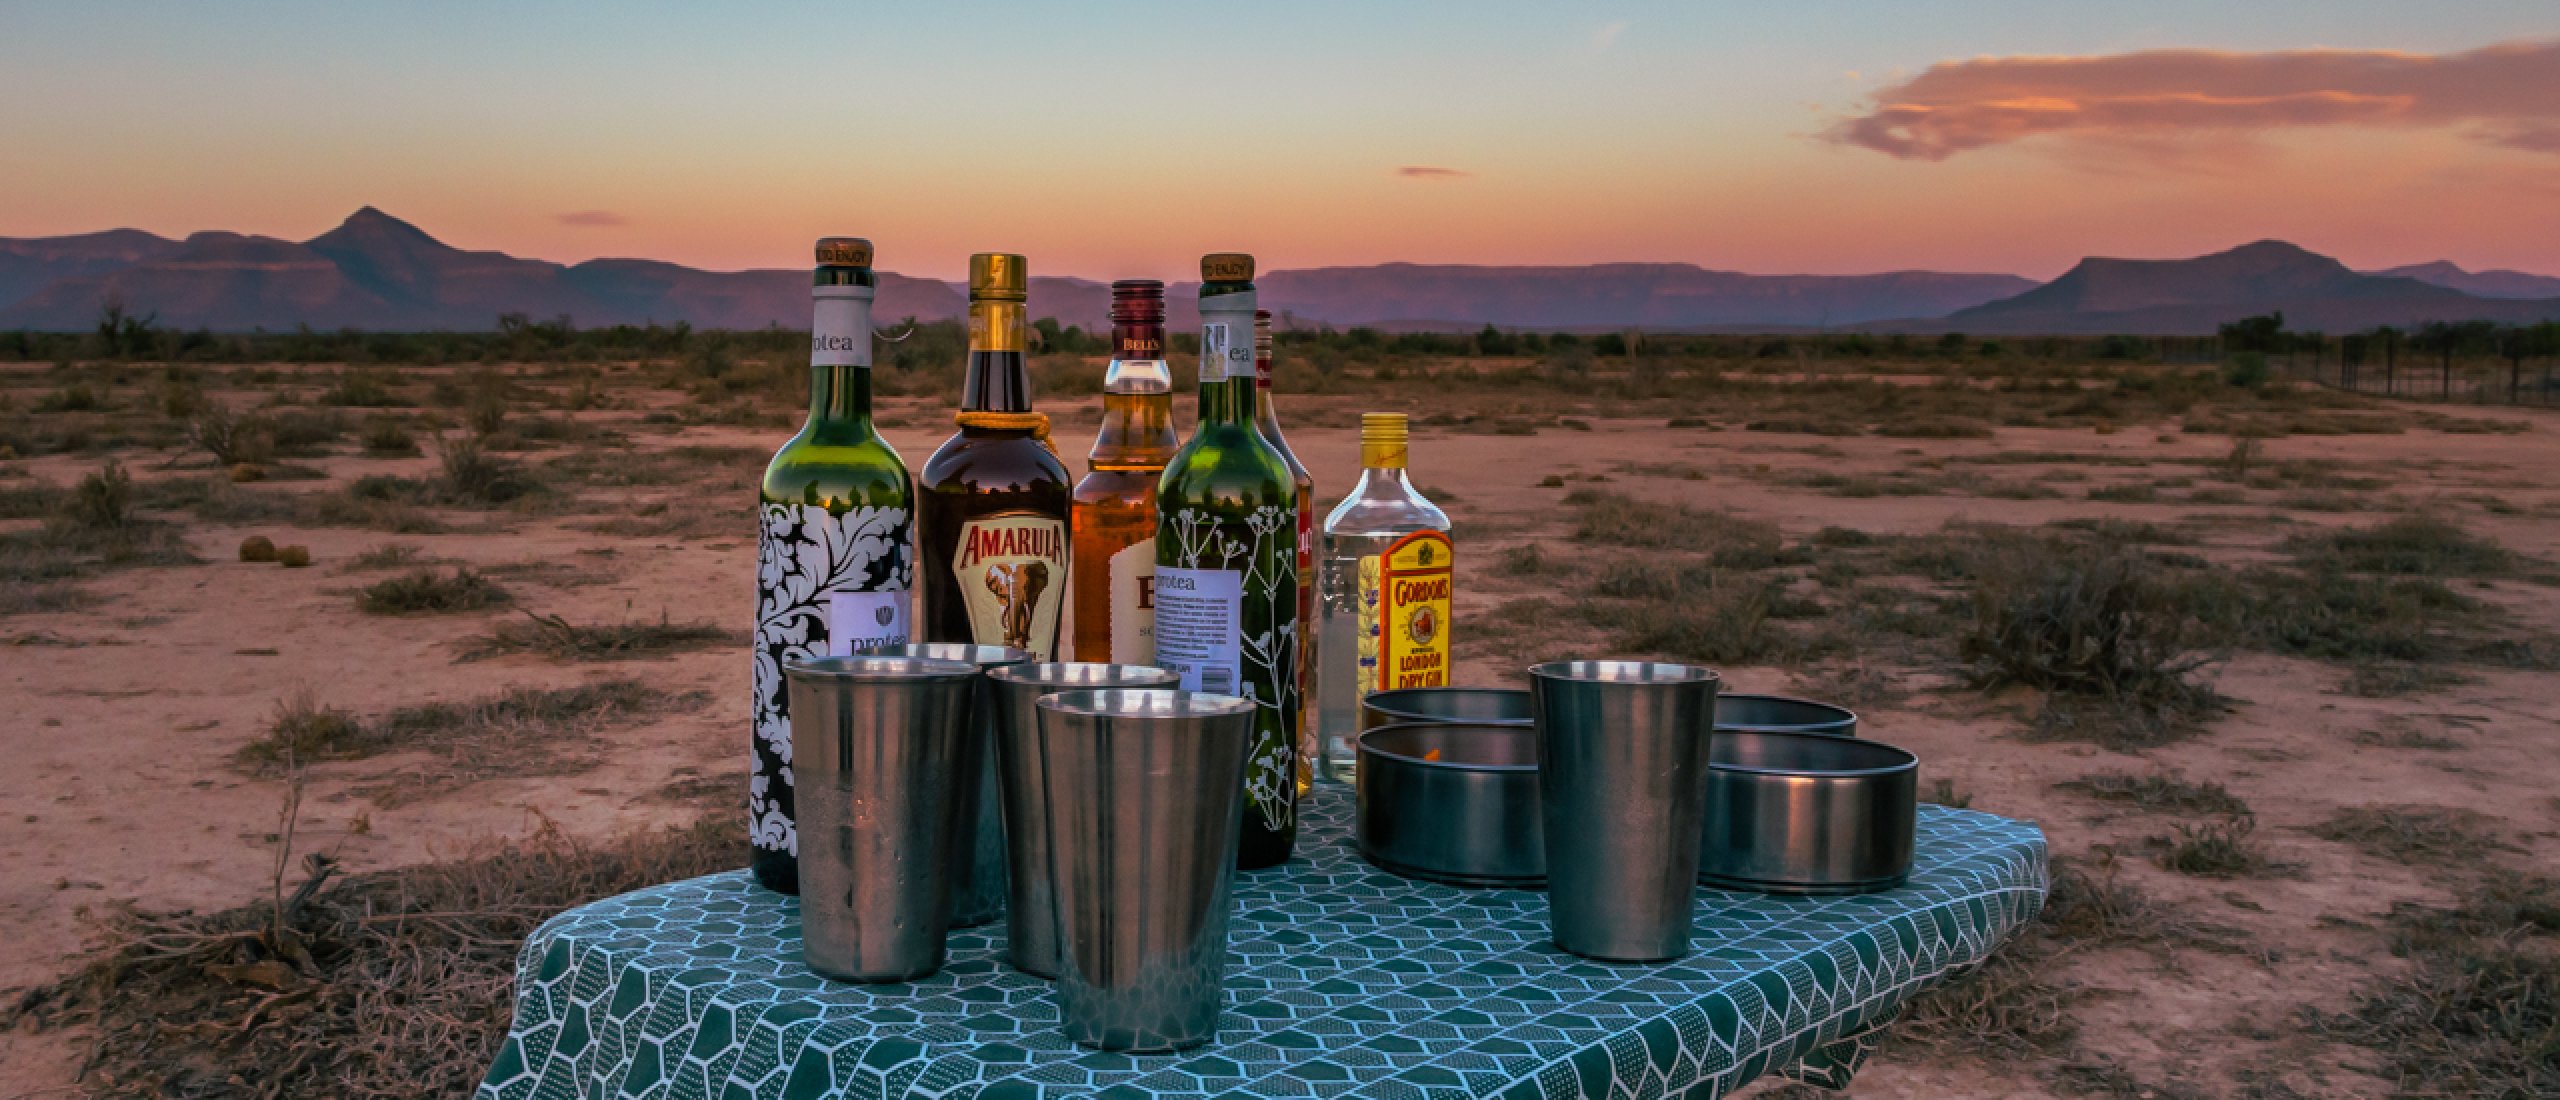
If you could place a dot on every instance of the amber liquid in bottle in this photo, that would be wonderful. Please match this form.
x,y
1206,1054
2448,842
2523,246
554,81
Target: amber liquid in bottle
x,y
992,537
1114,515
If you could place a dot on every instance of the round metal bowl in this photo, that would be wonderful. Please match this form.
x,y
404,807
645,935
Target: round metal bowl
x,y
1452,802
1800,813
1482,706
1783,714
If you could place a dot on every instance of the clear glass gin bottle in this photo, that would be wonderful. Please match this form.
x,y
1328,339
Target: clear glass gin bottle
x,y
1385,592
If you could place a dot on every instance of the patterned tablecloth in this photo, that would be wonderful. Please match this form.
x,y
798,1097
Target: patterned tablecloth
x,y
1343,980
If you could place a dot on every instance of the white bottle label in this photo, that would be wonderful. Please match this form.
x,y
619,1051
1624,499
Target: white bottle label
x,y
1012,570
859,621
1226,338
1199,621
1133,604
840,327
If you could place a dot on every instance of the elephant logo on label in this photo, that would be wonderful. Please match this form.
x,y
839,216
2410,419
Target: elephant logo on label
x,y
1018,588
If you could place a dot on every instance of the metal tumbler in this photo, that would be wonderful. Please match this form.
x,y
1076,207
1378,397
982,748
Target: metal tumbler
x,y
977,862
877,747
1622,774
1031,920
1146,796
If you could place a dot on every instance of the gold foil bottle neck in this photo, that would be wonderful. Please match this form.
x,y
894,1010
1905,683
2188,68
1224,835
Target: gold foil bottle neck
x,y
844,252
999,276
1226,267
1382,440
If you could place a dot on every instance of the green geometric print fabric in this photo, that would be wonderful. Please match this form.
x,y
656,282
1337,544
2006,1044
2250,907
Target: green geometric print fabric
x,y
1343,981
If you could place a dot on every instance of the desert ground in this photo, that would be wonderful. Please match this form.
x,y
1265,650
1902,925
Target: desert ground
x,y
2272,667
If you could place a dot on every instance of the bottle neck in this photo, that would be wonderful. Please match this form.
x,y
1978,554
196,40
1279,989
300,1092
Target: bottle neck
x,y
839,403
1226,359
997,380
1137,403
1264,415
840,363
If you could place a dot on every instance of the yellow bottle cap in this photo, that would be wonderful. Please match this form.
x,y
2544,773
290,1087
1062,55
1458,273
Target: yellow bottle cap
x,y
1382,440
844,252
999,276
1226,267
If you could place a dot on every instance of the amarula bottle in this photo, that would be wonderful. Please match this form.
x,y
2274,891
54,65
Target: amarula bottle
x,y
994,543
1227,562
832,565
1267,421
1388,577
1115,505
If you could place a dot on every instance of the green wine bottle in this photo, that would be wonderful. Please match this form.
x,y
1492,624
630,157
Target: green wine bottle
x,y
1227,562
832,557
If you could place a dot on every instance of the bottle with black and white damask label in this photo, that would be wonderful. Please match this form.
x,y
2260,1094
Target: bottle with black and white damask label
x,y
1227,562
833,561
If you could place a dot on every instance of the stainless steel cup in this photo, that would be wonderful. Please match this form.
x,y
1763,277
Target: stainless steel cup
x,y
876,754
1622,772
1145,791
977,863
1031,920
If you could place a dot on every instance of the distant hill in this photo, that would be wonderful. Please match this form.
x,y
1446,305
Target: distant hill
x,y
376,271
27,265
2483,284
2195,296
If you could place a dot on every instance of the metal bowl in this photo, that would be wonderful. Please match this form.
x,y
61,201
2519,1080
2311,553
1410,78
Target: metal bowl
x,y
1783,714
1801,813
1452,802
1481,706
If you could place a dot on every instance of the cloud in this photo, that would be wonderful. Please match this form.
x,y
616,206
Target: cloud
x,y
1606,35
1431,172
593,219
2506,95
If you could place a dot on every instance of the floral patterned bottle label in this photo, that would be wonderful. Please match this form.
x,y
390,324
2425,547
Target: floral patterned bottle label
x,y
1259,558
827,584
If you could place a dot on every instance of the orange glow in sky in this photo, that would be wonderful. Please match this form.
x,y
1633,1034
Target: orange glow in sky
x,y
1126,140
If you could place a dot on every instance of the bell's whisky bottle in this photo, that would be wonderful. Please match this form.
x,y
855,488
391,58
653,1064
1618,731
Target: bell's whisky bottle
x,y
1387,585
1267,421
832,565
1227,562
994,542
1115,505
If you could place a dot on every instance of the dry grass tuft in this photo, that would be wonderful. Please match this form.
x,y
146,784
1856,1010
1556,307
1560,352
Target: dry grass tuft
x,y
2220,849
521,732
2414,546
2478,1013
428,590
391,985
560,639
2427,836
2162,793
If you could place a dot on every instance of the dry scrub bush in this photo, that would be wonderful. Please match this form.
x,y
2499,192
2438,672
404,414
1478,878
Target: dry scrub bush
x,y
560,639
2094,626
428,590
391,985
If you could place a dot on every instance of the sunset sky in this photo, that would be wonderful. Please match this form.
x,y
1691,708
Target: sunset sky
x,y
1124,140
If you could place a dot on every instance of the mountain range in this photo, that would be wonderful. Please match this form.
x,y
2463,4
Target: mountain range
x,y
377,272
2194,296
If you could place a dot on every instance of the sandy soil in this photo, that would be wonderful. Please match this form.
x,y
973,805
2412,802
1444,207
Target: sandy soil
x,y
121,719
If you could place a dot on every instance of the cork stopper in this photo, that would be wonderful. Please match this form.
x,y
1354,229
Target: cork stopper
x,y
1226,267
1382,440
844,252
998,276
